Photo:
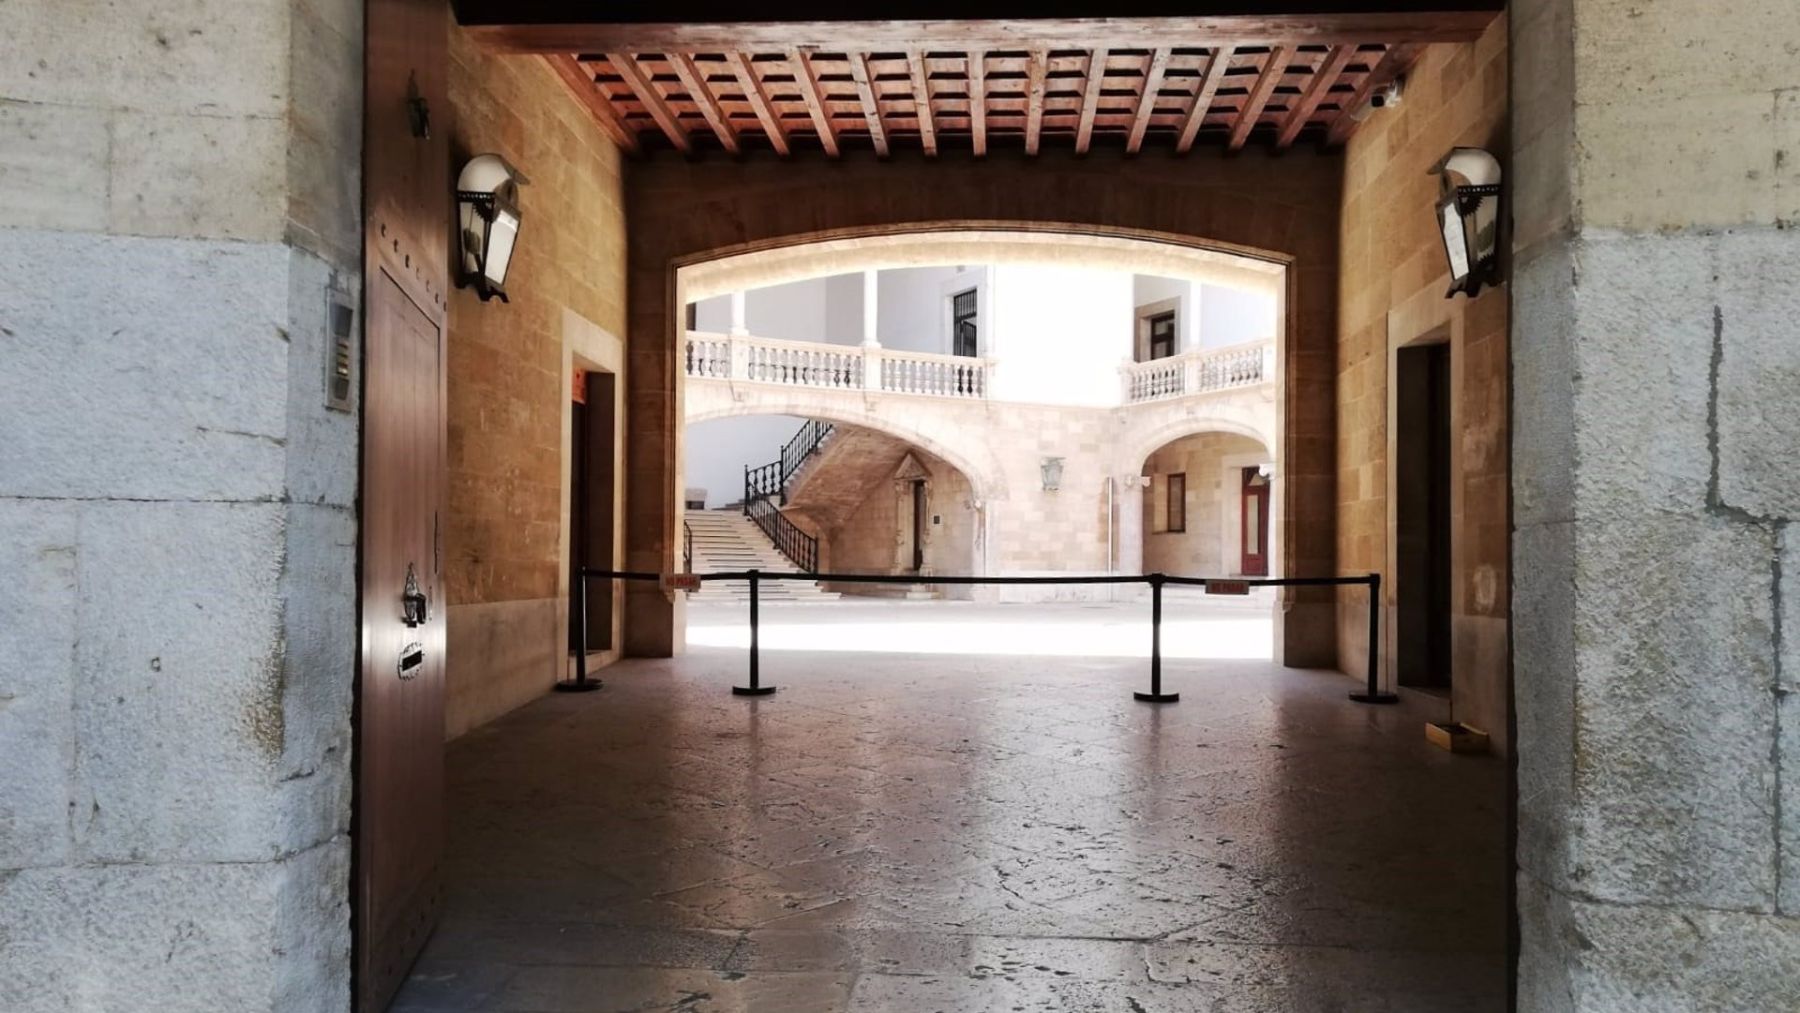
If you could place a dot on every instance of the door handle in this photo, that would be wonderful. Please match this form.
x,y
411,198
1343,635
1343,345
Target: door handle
x,y
415,607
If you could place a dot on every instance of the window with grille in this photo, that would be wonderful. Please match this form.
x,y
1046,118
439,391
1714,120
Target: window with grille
x,y
965,330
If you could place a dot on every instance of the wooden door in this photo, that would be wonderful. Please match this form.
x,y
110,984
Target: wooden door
x,y
918,524
399,816
1255,531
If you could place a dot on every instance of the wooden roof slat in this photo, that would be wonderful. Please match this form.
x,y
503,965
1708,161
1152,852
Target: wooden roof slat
x,y
1393,63
978,101
1209,86
921,86
582,28
1090,99
758,99
1315,93
1274,68
871,105
808,82
1153,78
580,82
1034,100
626,66
702,95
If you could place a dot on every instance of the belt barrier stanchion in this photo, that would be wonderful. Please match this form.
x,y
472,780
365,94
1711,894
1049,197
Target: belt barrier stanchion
x,y
1156,695
756,688
581,683
1374,694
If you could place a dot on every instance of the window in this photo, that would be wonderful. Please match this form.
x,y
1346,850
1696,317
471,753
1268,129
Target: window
x,y
964,330
1176,511
1162,335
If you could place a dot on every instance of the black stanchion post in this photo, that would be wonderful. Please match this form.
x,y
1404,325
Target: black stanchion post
x,y
1374,694
1156,695
756,688
581,683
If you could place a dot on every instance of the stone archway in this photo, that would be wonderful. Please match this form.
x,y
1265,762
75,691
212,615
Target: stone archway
x,y
689,214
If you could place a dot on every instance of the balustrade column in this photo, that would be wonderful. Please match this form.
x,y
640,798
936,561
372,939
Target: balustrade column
x,y
871,367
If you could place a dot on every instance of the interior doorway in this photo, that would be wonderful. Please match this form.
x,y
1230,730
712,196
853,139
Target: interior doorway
x,y
918,525
591,500
1422,515
1254,537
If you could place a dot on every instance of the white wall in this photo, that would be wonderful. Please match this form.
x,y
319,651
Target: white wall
x,y
1059,333
717,452
1230,316
911,306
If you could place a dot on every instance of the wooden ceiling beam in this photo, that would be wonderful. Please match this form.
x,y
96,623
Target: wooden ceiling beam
x,y
626,66
1036,65
581,84
1153,78
506,26
871,103
1315,93
808,81
1090,99
1395,62
921,87
758,99
1274,68
1203,98
701,93
978,101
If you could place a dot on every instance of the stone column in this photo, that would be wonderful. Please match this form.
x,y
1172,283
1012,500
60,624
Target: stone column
x,y
1130,523
738,326
177,505
870,309
1656,414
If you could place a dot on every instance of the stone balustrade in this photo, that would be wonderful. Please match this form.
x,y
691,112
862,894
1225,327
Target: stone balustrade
x,y
1200,371
835,367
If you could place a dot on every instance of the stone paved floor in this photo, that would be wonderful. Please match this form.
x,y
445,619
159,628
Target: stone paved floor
x,y
940,832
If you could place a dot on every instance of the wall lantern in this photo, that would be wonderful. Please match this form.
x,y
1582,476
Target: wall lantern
x,y
1052,469
487,201
1468,213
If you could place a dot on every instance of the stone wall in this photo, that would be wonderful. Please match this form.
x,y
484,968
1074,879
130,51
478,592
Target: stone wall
x,y
1210,544
510,367
179,191
686,211
1392,288
1657,394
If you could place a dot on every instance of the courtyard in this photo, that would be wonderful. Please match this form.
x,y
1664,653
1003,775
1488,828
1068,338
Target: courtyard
x,y
955,807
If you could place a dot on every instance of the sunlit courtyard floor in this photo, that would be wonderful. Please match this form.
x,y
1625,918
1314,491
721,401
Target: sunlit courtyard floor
x,y
961,808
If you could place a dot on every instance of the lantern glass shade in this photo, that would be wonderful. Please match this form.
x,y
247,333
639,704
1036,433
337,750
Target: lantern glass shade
x,y
488,216
1468,213
1456,242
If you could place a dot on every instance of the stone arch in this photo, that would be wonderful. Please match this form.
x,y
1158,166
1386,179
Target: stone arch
x,y
687,213
978,465
1139,447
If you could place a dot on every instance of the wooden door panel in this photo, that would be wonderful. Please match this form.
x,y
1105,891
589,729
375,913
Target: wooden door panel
x,y
400,787
400,824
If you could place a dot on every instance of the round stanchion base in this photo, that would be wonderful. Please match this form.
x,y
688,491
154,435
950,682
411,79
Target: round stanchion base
x,y
1361,697
752,690
1156,697
575,686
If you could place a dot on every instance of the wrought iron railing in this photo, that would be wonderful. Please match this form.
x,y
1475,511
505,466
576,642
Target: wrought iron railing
x,y
687,547
799,547
765,493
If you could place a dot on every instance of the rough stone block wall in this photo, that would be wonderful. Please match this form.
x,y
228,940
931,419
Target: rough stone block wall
x,y
506,539
1655,367
177,505
1391,286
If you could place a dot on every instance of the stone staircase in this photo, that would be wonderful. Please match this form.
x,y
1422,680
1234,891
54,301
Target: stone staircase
x,y
725,541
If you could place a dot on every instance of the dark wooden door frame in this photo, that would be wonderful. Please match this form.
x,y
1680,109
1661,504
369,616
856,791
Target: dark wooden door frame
x,y
1253,564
